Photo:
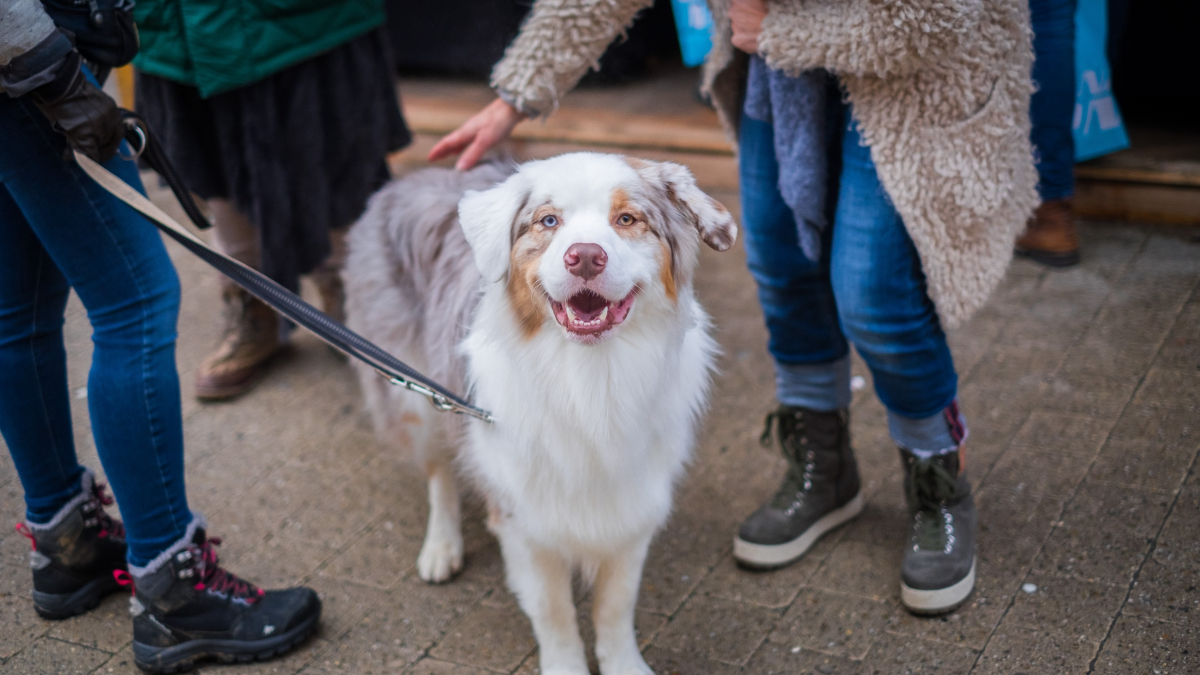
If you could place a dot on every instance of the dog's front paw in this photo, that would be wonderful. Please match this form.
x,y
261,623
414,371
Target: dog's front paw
x,y
439,560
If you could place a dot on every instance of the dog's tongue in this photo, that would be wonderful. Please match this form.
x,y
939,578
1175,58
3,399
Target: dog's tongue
x,y
587,305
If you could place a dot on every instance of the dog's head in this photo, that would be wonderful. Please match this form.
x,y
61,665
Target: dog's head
x,y
581,239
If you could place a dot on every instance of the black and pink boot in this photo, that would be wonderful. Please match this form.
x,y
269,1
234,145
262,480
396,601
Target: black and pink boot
x,y
75,554
187,607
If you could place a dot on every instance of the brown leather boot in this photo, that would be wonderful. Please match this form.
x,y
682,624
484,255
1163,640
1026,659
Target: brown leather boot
x,y
251,339
1050,237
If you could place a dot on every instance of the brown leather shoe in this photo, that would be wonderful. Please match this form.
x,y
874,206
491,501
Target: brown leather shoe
x,y
251,339
1050,237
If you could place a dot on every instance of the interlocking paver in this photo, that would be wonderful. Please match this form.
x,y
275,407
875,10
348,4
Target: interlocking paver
x,y
53,656
105,628
782,659
862,569
21,625
896,655
832,623
1105,533
495,638
1139,645
718,629
667,662
1068,605
1019,649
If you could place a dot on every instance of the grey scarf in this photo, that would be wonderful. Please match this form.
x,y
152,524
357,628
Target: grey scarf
x,y
800,108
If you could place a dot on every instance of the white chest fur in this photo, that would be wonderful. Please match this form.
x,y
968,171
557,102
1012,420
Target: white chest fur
x,y
589,439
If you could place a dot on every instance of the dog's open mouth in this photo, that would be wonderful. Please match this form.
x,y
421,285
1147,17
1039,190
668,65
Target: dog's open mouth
x,y
589,313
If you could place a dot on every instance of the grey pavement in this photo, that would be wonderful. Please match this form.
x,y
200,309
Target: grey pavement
x,y
1081,388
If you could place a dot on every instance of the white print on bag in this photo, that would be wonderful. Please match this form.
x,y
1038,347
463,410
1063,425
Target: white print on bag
x,y
1101,107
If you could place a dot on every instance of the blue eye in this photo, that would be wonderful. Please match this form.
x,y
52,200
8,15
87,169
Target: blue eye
x,y
550,221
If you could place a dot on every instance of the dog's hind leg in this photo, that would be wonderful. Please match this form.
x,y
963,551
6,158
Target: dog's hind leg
x,y
541,580
441,555
615,592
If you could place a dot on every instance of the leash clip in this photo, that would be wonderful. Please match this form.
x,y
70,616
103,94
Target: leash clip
x,y
133,127
437,400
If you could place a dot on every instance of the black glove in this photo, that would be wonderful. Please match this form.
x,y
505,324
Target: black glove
x,y
83,113
51,75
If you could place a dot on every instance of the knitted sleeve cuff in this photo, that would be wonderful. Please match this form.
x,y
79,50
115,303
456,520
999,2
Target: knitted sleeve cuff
x,y
37,66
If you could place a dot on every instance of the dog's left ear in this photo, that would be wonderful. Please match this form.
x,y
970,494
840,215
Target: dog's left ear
x,y
487,219
712,220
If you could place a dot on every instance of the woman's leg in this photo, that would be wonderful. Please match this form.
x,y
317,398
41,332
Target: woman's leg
x,y
821,488
888,316
252,334
118,265
1051,237
884,307
811,354
1053,104
35,410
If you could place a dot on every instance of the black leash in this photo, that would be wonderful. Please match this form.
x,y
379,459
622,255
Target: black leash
x,y
281,299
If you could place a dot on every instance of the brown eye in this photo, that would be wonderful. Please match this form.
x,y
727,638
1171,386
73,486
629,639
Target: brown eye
x,y
625,219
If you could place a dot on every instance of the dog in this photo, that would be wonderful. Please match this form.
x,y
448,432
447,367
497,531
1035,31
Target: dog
x,y
559,296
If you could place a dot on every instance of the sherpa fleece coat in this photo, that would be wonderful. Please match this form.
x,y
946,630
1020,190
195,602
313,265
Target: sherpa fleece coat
x,y
940,92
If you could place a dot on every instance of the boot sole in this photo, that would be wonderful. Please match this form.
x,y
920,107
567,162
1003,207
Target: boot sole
x,y
183,657
771,556
940,600
59,606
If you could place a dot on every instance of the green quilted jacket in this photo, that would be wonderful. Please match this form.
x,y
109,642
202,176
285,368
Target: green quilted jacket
x,y
218,45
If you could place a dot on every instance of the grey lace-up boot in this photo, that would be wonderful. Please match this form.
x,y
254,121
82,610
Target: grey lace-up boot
x,y
938,573
820,491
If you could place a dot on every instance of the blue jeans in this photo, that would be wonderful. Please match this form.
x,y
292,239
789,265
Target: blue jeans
x,y
60,230
1053,105
867,289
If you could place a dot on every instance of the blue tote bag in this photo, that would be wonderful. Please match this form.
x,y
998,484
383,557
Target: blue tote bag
x,y
1097,127
693,23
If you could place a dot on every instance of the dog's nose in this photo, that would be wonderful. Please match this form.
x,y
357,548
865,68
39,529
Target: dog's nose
x,y
585,260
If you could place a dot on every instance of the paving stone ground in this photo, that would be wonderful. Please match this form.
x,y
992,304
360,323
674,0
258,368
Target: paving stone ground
x,y
1081,387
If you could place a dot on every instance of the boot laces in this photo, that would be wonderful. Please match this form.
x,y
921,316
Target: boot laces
x,y
215,579
791,430
96,516
930,486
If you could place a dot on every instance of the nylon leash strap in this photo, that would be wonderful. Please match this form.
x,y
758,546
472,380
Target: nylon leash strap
x,y
264,288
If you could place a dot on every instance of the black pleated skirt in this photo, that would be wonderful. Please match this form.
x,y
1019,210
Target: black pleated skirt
x,y
299,152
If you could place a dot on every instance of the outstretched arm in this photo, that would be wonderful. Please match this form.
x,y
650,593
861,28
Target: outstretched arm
x,y
559,41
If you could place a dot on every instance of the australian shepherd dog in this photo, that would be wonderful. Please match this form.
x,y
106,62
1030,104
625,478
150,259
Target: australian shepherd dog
x,y
558,295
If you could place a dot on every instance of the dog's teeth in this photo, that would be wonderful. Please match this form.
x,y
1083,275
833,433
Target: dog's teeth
x,y
603,314
570,314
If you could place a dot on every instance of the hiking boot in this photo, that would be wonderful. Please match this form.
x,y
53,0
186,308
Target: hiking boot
x,y
939,558
1050,237
75,554
189,608
251,339
820,491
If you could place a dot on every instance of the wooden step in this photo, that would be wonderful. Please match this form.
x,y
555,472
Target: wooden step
x,y
1156,180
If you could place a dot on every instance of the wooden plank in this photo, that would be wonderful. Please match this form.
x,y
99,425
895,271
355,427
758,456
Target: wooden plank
x,y
1183,176
1138,202
696,132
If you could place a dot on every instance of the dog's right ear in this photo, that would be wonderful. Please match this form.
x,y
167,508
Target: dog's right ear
x,y
487,219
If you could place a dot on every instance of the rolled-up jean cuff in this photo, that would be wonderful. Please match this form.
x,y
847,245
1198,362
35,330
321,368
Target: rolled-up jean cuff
x,y
817,386
928,436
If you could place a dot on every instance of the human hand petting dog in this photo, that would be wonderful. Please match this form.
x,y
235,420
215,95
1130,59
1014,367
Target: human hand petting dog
x,y
746,17
477,135
495,123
